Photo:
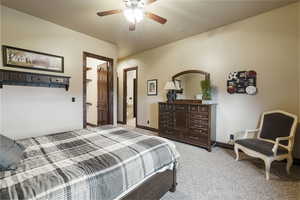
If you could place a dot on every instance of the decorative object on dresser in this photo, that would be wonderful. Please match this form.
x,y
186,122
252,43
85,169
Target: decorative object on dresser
x,y
23,58
171,88
152,87
32,79
187,119
242,82
206,89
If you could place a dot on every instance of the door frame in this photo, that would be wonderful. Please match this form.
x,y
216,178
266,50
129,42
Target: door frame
x,y
110,80
125,94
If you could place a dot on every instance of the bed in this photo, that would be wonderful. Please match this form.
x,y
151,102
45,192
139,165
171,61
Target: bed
x,y
92,164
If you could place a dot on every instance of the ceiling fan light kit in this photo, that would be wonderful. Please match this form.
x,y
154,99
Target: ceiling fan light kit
x,y
134,15
134,12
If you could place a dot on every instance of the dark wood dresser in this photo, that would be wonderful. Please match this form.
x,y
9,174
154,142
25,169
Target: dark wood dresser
x,y
192,123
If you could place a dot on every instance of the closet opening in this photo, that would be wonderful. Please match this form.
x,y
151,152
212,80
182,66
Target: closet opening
x,y
97,90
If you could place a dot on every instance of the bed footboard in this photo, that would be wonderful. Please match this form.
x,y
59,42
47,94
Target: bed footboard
x,y
155,187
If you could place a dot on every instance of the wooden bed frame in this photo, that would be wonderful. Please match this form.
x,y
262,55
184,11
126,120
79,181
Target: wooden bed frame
x,y
155,187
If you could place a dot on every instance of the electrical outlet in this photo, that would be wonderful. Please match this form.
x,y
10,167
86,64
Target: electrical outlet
x,y
231,139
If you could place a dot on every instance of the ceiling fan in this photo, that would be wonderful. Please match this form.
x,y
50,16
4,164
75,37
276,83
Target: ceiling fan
x,y
135,12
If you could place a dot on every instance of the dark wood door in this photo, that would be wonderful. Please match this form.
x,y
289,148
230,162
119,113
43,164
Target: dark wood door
x,y
102,95
134,97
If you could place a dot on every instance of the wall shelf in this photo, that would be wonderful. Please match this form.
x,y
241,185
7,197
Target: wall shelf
x,y
18,78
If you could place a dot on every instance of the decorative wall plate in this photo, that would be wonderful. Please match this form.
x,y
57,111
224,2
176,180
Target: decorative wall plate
x,y
238,82
251,90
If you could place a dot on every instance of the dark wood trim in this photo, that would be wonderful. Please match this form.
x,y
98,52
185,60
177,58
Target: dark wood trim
x,y
147,128
4,47
223,145
207,75
18,78
92,125
125,93
110,86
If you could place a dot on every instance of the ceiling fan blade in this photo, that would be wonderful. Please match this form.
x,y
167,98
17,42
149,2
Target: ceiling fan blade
x,y
109,12
150,1
156,18
132,27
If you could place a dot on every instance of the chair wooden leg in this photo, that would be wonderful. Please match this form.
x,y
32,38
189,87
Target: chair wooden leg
x,y
289,164
268,167
236,150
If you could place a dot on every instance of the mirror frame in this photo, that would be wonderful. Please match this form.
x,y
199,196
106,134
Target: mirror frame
x,y
207,75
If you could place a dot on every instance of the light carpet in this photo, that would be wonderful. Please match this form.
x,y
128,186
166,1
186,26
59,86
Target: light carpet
x,y
217,176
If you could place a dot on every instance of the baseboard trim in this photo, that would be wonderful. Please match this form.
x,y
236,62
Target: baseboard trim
x,y
120,122
147,128
93,125
224,145
229,146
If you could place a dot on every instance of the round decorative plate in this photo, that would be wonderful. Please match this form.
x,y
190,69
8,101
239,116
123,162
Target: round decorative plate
x,y
251,90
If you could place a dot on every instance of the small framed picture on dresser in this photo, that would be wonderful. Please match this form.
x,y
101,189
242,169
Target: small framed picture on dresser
x,y
152,87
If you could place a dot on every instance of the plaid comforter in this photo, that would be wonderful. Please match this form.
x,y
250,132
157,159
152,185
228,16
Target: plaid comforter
x,y
90,164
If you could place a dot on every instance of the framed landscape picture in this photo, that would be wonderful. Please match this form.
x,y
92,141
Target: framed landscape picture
x,y
152,87
27,59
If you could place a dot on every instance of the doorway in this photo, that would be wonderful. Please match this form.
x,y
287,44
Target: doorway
x,y
130,100
97,90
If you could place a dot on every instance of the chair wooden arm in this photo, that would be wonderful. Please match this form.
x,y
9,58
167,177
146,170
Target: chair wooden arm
x,y
276,145
247,132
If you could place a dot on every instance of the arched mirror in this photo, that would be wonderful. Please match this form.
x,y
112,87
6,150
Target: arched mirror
x,y
189,83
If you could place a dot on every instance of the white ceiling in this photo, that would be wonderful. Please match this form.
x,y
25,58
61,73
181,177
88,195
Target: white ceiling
x,y
185,18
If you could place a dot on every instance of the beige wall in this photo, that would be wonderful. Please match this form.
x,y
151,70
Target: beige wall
x,y
267,43
31,111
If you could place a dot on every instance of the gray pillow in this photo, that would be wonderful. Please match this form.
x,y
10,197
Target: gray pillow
x,y
10,153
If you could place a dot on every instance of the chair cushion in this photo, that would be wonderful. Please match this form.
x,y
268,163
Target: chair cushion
x,y
261,146
276,125
10,153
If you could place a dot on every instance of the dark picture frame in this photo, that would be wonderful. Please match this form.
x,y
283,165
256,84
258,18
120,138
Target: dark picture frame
x,y
28,59
152,87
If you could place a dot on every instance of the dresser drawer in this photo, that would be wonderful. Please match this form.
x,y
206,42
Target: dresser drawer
x,y
199,108
199,123
181,107
201,131
197,137
199,116
166,107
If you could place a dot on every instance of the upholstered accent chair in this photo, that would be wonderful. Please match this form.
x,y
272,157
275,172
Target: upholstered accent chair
x,y
274,140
